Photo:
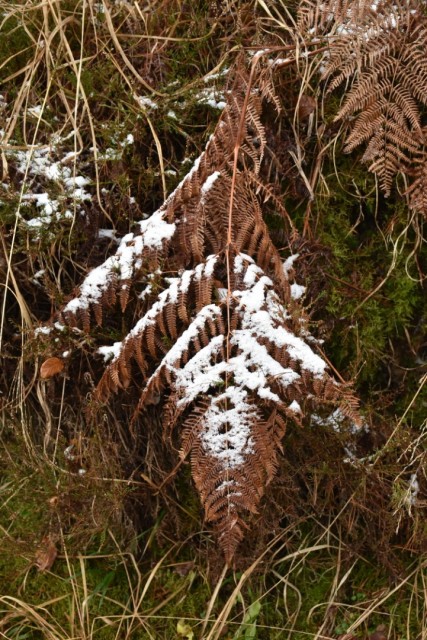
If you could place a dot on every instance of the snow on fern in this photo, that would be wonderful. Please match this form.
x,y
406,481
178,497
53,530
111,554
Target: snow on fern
x,y
227,431
208,183
220,343
124,263
378,52
202,371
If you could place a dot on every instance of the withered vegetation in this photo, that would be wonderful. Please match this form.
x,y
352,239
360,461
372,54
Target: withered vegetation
x,y
378,51
220,343
197,342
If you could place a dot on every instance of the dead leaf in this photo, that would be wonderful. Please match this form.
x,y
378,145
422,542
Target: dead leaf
x,y
46,554
306,106
51,367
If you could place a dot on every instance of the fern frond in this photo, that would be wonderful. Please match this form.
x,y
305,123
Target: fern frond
x,y
232,403
379,50
219,344
417,191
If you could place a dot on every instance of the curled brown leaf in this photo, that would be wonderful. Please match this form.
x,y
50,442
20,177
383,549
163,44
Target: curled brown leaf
x,y
51,367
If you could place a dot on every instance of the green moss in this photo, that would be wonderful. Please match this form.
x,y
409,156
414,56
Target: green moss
x,y
371,302
16,45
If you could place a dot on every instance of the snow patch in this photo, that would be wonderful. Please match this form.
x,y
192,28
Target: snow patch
x,y
125,262
295,407
146,103
297,291
110,352
226,433
288,264
207,185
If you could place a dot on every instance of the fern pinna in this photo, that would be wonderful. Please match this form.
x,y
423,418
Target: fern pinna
x,y
221,344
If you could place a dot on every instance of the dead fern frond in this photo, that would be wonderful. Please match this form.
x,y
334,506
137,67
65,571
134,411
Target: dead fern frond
x,y
221,344
379,50
417,192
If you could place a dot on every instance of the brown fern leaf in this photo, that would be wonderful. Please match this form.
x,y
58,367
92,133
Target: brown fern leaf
x,y
417,191
327,17
233,410
164,234
160,324
379,49
219,342
117,272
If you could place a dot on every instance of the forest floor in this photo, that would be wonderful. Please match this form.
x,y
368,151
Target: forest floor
x,y
104,106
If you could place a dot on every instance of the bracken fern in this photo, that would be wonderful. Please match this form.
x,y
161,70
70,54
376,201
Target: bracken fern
x,y
220,342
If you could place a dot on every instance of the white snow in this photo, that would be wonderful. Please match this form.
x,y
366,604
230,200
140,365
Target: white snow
x,y
336,420
124,263
297,291
295,407
414,488
146,103
44,202
76,181
42,331
111,351
263,315
212,98
81,195
36,110
214,76
54,171
111,234
41,167
68,452
203,371
110,154
145,292
210,312
288,264
225,485
93,285
227,427
155,230
255,356
207,185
